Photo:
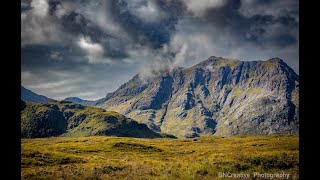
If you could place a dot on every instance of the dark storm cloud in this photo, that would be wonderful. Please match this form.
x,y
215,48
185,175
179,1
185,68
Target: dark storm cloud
x,y
67,28
39,56
76,24
154,31
253,28
76,48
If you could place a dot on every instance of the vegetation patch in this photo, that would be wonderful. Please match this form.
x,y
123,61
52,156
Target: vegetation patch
x,y
106,169
135,147
35,158
281,161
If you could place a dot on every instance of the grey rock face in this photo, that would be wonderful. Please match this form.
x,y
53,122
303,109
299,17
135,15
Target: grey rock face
x,y
74,121
217,96
157,96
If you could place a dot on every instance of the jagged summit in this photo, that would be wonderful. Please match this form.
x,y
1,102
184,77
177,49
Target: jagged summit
x,y
276,60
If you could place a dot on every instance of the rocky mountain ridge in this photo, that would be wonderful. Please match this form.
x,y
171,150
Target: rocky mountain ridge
x,y
217,96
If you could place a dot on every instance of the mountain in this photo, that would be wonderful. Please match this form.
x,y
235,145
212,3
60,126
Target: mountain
x,y
82,101
65,118
28,95
217,96
77,100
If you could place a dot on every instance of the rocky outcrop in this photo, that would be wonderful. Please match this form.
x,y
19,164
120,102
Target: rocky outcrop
x,y
44,121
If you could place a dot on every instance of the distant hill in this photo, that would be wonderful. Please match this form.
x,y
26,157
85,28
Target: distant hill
x,y
30,96
65,118
80,101
75,99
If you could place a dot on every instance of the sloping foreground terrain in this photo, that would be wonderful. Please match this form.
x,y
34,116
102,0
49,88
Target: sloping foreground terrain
x,y
101,157
53,118
217,96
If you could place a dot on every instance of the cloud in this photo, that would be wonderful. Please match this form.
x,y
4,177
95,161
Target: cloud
x,y
146,33
40,7
56,56
49,85
95,51
276,8
61,23
25,75
37,27
119,38
146,10
225,31
199,7
60,83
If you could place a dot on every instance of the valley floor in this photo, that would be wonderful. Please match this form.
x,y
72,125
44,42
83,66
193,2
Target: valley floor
x,y
133,158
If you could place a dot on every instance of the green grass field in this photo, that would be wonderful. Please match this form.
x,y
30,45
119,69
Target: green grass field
x,y
132,158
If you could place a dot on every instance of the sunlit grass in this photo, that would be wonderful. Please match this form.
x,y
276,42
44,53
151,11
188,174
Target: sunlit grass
x,y
133,158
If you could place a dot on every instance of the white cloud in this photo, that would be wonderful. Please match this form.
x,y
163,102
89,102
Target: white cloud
x,y
92,48
149,12
37,27
95,51
102,17
199,7
192,47
62,9
40,7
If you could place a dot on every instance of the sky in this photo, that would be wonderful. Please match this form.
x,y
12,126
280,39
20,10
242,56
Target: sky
x,y
86,49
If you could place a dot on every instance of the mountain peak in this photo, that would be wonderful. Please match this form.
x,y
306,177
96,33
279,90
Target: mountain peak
x,y
213,58
213,62
75,99
28,95
276,60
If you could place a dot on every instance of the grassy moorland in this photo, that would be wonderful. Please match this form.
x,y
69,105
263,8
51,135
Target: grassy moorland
x,y
102,157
